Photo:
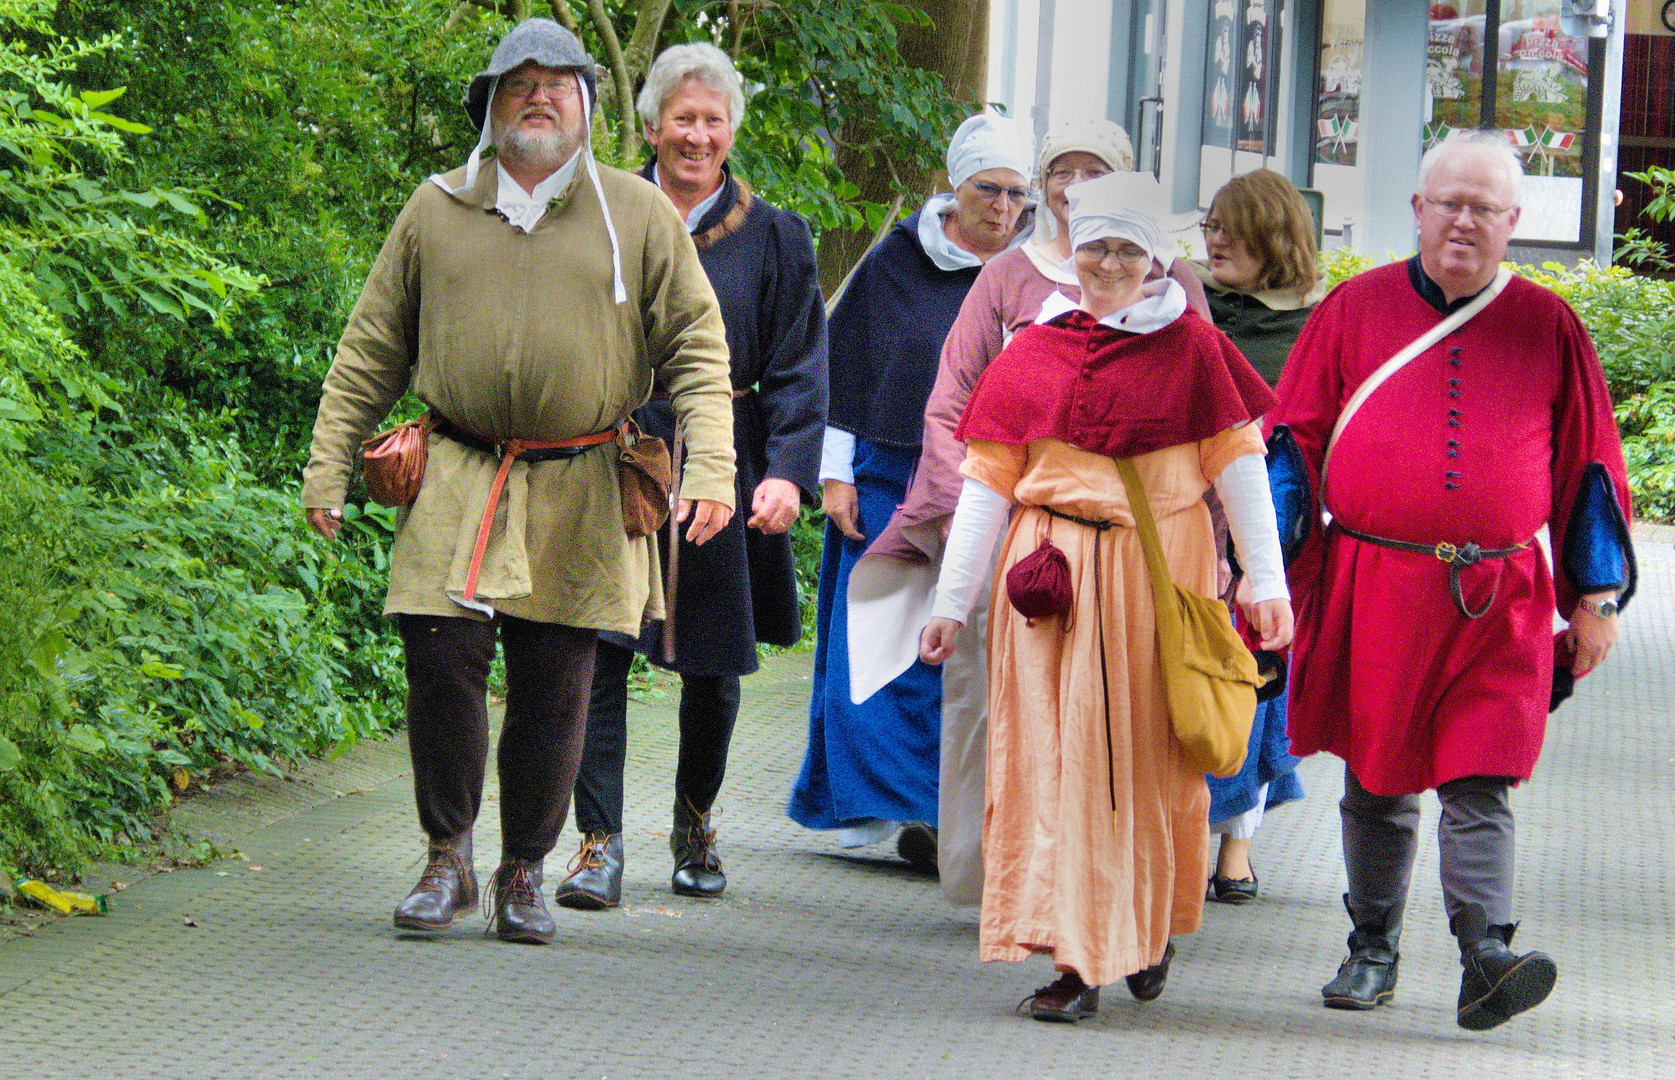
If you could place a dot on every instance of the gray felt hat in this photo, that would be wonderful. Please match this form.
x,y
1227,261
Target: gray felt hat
x,y
540,40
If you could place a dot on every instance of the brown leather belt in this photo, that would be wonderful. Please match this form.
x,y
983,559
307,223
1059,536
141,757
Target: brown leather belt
x,y
526,450
1454,555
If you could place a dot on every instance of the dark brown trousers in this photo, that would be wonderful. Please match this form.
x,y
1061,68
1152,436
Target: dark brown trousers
x,y
549,668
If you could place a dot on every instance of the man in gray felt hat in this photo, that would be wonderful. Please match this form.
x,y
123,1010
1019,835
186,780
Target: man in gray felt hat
x,y
531,303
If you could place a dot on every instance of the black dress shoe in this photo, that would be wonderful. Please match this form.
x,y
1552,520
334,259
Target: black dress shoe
x,y
1498,984
595,881
447,887
917,844
1147,983
1065,1001
1367,977
1226,890
697,866
518,912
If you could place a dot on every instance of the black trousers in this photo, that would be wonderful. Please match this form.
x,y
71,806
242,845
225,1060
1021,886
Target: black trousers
x,y
709,707
548,670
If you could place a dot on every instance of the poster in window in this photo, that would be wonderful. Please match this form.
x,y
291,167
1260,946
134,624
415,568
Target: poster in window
x,y
1541,99
1338,126
1221,74
1454,69
1253,97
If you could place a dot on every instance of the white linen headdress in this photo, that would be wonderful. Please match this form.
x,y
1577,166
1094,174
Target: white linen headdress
x,y
987,141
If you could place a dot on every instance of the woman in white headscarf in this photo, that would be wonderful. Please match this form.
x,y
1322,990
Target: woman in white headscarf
x,y
1095,840
898,574
872,765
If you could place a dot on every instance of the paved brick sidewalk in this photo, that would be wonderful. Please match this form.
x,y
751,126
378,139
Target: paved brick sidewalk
x,y
824,964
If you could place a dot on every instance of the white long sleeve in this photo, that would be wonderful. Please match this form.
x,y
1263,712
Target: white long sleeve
x,y
1243,488
978,518
837,456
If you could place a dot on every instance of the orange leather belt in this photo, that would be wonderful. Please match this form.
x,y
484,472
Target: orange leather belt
x,y
511,450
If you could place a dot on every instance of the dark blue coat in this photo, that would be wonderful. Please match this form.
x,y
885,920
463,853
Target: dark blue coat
x,y
740,588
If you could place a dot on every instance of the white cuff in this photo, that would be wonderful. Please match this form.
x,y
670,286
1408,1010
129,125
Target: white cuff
x,y
978,519
837,456
1243,487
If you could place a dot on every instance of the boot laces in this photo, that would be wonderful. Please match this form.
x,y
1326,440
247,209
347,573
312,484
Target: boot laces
x,y
439,860
700,843
1067,983
510,884
591,855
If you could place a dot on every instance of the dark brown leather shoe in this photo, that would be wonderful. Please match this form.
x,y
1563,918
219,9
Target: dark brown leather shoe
x,y
1147,983
1065,1001
518,913
595,881
447,887
697,866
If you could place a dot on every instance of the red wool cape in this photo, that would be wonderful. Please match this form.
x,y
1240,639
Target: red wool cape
x,y
1484,437
1109,391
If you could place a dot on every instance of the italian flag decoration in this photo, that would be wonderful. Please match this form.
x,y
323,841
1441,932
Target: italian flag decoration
x,y
1521,138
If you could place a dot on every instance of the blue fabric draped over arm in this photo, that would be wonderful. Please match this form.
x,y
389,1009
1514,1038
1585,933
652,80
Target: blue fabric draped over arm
x,y
1288,480
1598,554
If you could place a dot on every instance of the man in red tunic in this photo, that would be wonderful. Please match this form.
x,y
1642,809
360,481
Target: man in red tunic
x,y
1424,655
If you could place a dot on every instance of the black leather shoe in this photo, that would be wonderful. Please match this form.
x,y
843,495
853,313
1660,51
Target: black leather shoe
x,y
1498,984
447,887
1065,1001
518,912
697,866
595,881
1147,983
1226,890
1367,978
917,844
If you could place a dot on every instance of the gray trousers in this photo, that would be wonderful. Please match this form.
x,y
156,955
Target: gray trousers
x,y
1474,839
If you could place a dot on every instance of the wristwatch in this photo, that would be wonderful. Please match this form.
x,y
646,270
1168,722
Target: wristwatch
x,y
1605,609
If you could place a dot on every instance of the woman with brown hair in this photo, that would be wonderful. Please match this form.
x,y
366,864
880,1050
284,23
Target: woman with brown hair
x,y
1262,282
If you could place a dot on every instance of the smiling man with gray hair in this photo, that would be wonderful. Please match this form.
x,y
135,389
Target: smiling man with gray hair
x,y
1425,655
530,306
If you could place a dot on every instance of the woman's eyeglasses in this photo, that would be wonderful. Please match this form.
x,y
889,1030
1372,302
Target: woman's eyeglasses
x,y
993,192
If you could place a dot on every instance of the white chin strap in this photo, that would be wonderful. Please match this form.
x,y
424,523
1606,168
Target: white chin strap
x,y
604,207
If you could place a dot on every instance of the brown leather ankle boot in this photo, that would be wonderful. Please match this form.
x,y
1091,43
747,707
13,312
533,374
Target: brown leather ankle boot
x,y
447,887
518,912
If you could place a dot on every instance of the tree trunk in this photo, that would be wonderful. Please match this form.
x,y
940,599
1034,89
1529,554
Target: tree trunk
x,y
956,49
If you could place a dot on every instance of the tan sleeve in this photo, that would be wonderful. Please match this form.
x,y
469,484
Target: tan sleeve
x,y
372,368
995,465
687,345
1218,451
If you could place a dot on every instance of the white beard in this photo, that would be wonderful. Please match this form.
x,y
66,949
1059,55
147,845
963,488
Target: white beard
x,y
546,150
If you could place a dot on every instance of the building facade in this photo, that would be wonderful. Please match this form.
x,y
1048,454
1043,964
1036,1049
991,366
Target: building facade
x,y
1343,97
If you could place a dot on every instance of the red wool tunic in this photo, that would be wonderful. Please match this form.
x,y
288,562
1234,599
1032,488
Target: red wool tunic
x,y
1482,438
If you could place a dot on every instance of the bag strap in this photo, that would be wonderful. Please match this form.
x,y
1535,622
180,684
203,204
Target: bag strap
x,y
1400,360
1140,505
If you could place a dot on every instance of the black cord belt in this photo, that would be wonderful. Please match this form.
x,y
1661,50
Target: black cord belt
x,y
1099,525
1454,555
448,428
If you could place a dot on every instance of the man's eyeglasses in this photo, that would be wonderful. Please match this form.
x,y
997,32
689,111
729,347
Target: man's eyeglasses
x,y
556,89
1064,174
992,192
1478,211
1098,251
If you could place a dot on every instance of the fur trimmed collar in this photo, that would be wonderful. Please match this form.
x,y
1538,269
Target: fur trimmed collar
x,y
732,220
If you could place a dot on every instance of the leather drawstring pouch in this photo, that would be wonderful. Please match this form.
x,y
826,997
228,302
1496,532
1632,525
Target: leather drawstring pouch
x,y
393,462
647,478
1209,676
1038,584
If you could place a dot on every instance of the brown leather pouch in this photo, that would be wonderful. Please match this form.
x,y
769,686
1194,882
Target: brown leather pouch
x,y
393,462
647,479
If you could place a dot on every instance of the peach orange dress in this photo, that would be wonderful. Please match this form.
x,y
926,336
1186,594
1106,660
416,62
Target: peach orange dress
x,y
1095,831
